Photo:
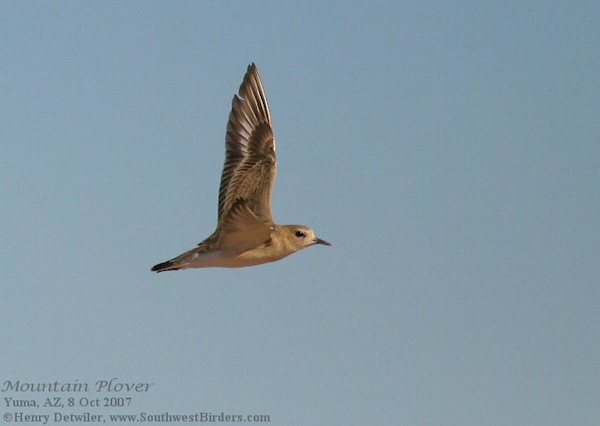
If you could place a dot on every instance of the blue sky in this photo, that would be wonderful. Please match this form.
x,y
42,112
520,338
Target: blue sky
x,y
448,150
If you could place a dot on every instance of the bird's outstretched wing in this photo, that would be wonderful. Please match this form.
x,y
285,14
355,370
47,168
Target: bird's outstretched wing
x,y
250,161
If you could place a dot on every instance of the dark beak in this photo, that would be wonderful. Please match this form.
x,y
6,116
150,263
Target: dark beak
x,y
320,241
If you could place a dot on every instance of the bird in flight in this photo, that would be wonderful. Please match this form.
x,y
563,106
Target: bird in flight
x,y
246,234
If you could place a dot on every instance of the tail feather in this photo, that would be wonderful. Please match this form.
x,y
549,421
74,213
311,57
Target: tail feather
x,y
184,260
165,266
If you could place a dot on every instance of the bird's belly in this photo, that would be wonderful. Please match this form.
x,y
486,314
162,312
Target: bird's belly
x,y
227,259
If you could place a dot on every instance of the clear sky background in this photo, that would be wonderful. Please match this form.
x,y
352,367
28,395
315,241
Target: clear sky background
x,y
449,151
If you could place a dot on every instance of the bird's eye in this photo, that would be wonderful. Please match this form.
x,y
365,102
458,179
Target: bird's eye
x,y
300,234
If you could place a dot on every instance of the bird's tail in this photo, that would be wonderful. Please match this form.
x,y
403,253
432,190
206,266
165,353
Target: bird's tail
x,y
169,265
180,262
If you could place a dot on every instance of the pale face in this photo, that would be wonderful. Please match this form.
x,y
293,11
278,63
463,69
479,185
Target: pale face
x,y
299,237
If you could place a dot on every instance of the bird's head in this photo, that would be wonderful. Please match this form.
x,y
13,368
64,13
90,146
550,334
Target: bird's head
x,y
298,237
